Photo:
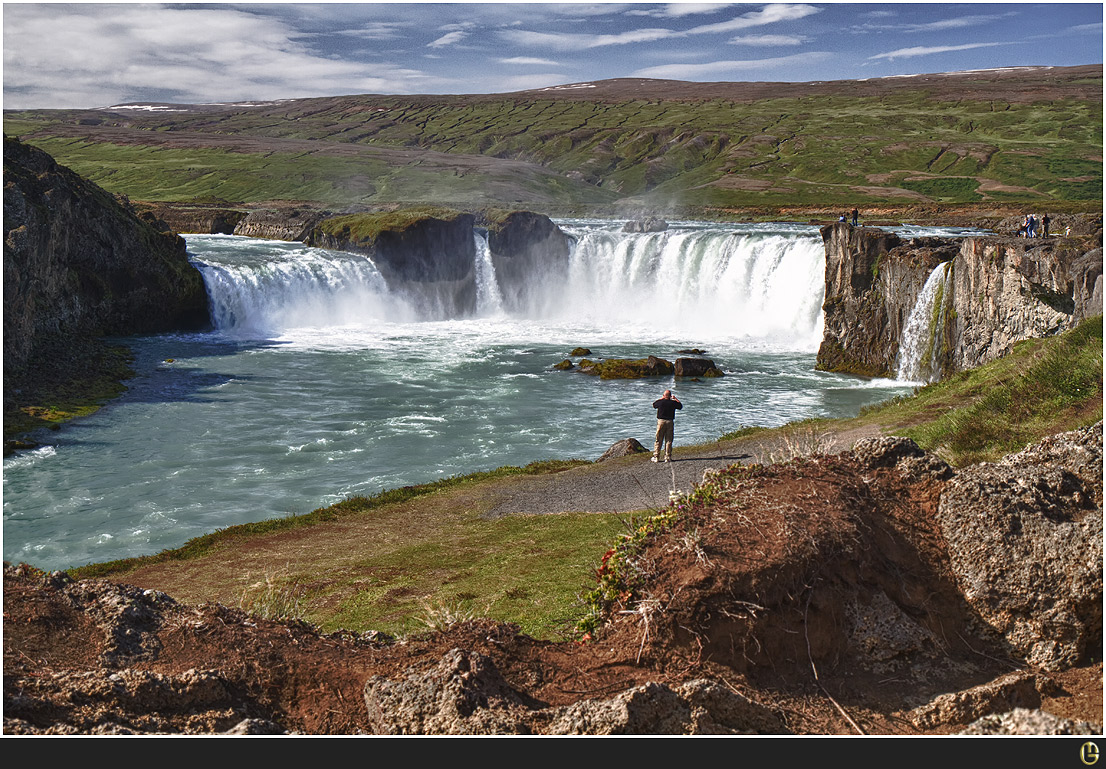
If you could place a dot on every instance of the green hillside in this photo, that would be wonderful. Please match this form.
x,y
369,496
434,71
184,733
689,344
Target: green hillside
x,y
946,141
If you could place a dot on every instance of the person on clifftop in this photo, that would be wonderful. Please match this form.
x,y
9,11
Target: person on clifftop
x,y
666,407
856,216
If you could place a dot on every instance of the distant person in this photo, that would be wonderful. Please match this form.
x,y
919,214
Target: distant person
x,y
844,218
1031,226
666,407
856,216
1045,222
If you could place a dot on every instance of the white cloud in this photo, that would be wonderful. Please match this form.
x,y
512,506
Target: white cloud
x,y
375,31
765,40
567,41
907,53
528,60
448,38
769,14
678,10
716,68
959,22
110,54
571,41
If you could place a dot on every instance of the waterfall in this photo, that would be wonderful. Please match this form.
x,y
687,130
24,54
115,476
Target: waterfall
x,y
919,353
696,281
489,299
704,282
264,287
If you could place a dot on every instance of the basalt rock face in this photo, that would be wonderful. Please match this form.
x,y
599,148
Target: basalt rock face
x,y
1005,290
78,264
998,291
527,250
431,260
203,220
291,224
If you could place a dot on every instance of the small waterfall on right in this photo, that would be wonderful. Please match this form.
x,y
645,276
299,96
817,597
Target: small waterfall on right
x,y
920,347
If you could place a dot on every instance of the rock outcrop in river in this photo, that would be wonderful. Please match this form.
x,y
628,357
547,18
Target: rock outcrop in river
x,y
996,291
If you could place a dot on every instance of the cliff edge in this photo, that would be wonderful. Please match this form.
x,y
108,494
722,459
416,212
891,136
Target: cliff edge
x,y
79,265
927,307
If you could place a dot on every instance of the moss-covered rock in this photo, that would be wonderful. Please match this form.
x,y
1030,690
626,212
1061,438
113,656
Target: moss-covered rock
x,y
624,368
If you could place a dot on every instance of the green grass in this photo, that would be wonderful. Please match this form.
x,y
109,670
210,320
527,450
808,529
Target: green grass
x,y
1043,386
364,228
830,150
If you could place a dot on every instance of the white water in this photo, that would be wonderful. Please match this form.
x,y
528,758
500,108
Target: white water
x,y
321,381
920,346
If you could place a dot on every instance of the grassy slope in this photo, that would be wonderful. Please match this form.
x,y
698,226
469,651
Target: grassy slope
x,y
421,555
776,151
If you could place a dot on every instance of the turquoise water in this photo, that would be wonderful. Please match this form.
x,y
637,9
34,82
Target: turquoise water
x,y
322,382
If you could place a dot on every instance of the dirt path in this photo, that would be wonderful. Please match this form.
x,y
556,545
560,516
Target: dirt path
x,y
634,483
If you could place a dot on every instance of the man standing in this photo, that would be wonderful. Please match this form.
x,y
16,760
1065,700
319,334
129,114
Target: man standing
x,y
666,424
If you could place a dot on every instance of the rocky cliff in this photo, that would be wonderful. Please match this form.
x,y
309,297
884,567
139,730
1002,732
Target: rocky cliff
x,y
995,291
78,264
527,249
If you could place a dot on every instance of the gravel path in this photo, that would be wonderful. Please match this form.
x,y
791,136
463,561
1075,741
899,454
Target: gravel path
x,y
634,483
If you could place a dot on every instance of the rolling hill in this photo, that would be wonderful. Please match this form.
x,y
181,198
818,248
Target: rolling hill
x,y
1019,135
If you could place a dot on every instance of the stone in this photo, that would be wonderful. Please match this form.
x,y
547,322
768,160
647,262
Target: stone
x,y
696,367
1023,721
1020,689
624,448
1025,542
464,694
648,224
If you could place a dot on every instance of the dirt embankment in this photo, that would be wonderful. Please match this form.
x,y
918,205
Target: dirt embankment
x,y
828,594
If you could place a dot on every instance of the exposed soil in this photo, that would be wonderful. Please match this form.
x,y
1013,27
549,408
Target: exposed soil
x,y
817,589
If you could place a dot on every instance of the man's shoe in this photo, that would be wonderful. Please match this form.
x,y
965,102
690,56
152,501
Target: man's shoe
x,y
652,459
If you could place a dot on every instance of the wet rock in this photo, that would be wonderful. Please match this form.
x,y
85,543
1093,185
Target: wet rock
x,y
564,365
624,368
648,224
579,351
623,448
697,367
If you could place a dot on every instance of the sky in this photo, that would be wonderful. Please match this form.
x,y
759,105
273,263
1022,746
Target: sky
x,y
87,55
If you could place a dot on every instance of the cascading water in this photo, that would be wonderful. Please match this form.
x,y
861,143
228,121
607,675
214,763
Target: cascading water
x,y
703,282
268,288
698,282
489,299
918,359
